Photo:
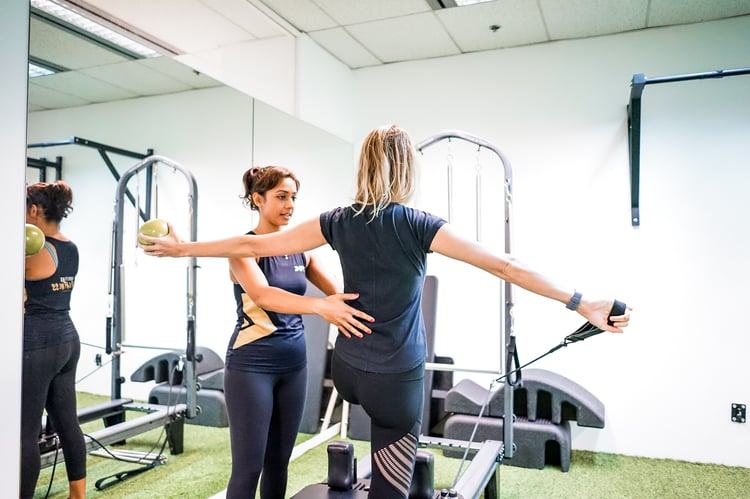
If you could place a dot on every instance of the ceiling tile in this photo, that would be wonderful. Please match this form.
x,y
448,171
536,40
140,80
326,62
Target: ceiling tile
x,y
582,18
137,78
345,48
179,71
246,16
520,23
360,11
304,15
665,12
85,86
188,25
419,36
48,98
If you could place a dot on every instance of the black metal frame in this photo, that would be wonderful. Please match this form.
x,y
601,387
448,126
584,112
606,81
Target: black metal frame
x,y
104,151
637,85
42,164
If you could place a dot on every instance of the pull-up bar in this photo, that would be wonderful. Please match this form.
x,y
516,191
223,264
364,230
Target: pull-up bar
x,y
104,151
637,85
42,164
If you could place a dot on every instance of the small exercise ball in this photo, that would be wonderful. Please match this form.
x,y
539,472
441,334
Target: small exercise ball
x,y
34,239
156,227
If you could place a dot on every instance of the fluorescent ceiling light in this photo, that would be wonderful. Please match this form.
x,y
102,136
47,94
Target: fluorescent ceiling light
x,y
447,4
40,67
98,30
461,3
35,71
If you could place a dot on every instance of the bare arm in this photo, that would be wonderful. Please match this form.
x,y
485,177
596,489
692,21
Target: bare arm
x,y
42,264
299,239
333,309
447,242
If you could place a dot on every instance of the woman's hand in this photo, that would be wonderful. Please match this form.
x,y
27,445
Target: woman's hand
x,y
347,319
168,245
597,313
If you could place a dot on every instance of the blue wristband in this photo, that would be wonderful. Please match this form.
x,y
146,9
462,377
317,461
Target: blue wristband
x,y
574,301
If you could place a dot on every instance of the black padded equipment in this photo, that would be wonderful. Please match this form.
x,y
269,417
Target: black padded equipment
x,y
341,467
160,368
423,482
538,443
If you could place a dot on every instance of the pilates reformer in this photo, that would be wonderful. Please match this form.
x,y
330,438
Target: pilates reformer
x,y
348,478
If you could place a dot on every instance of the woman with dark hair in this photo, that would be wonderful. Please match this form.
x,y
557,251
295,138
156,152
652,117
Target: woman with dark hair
x,y
265,377
51,346
382,245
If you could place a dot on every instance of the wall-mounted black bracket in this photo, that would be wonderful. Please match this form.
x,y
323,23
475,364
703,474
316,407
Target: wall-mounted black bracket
x,y
42,164
637,85
104,151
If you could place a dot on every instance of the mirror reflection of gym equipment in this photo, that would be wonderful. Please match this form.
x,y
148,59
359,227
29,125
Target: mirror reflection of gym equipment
x,y
177,371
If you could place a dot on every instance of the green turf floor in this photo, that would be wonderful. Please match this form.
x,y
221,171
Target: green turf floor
x,y
202,471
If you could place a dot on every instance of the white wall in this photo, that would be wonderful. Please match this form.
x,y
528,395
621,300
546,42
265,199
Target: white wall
x,y
292,74
323,89
558,111
14,32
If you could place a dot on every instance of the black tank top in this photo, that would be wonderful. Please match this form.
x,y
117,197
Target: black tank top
x,y
47,320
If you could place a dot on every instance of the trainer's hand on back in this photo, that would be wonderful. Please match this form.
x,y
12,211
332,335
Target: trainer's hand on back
x,y
168,245
597,313
349,321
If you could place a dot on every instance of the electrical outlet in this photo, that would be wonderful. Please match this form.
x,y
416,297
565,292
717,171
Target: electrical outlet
x,y
739,413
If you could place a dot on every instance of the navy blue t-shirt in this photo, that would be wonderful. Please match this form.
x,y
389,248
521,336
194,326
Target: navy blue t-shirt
x,y
384,260
265,341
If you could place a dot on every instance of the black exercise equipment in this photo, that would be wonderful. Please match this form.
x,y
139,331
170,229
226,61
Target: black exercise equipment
x,y
350,480
104,151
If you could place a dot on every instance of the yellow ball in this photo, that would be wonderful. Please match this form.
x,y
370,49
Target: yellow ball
x,y
34,239
155,227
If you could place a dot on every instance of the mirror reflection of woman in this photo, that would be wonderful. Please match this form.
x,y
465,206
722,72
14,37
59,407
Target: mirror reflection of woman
x,y
51,346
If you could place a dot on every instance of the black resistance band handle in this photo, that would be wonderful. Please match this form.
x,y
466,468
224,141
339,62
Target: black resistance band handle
x,y
588,329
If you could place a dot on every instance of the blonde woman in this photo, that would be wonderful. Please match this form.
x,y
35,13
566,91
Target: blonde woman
x,y
382,245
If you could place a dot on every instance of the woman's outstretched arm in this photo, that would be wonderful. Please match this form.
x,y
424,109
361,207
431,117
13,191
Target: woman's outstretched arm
x,y
298,239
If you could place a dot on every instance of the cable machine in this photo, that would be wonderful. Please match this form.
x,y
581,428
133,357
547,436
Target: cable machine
x,y
117,429
115,319
508,346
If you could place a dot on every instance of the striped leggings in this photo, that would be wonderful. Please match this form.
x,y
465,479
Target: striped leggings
x,y
394,404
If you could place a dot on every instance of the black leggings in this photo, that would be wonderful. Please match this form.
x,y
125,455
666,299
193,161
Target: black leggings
x,y
394,404
49,383
265,411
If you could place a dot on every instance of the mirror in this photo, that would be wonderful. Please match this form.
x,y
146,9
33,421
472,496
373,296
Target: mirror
x,y
214,131
91,73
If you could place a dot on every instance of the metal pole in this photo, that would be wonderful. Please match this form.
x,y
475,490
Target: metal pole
x,y
507,307
116,281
